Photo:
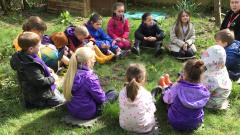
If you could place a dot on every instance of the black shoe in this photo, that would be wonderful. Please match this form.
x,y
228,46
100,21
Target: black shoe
x,y
136,50
156,91
158,52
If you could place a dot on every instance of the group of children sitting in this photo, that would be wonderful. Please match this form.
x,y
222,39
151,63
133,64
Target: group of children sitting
x,y
202,83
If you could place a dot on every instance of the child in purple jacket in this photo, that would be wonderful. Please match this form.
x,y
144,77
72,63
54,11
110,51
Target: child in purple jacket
x,y
187,98
82,88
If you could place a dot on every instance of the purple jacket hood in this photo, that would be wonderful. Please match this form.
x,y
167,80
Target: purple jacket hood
x,y
192,95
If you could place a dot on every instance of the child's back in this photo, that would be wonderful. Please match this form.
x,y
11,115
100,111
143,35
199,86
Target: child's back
x,y
36,80
86,94
186,110
233,60
216,77
136,103
187,98
137,116
35,84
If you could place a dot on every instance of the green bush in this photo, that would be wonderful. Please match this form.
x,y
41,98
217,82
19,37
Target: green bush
x,y
188,5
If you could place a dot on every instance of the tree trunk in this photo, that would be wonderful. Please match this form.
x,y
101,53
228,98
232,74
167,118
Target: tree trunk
x,y
25,5
4,6
217,12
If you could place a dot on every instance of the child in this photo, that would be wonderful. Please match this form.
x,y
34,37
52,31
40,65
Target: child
x,y
50,54
148,34
103,41
33,24
136,103
36,80
60,41
182,37
187,98
232,19
225,38
82,88
118,27
216,77
78,36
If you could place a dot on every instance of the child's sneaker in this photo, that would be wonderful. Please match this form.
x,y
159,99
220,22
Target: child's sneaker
x,y
136,50
123,54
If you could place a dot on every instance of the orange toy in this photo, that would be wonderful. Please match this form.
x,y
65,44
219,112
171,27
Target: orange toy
x,y
165,81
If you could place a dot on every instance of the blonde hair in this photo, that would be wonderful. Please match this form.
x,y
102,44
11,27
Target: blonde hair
x,y
82,30
80,57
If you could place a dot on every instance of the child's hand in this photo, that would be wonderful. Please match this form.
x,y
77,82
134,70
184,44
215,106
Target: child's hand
x,y
185,47
50,70
118,39
146,38
152,39
89,44
105,46
123,39
54,76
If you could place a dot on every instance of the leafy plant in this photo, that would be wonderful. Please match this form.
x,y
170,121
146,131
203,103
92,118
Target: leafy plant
x,y
65,18
188,5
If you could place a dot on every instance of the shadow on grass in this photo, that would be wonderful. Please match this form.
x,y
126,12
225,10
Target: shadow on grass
x,y
46,124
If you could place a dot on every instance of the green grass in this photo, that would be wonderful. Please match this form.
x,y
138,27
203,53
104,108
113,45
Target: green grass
x,y
15,119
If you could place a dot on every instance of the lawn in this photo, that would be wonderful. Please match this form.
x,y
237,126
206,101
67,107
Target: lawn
x,y
15,119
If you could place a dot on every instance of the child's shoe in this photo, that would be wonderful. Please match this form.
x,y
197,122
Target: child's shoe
x,y
168,82
109,57
101,60
123,53
162,82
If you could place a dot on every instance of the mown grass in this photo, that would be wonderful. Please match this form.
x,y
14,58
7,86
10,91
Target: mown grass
x,y
15,119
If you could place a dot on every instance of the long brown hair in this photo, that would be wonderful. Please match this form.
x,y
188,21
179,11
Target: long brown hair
x,y
135,75
178,24
193,70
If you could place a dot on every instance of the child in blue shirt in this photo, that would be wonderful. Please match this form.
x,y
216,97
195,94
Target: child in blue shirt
x,y
225,38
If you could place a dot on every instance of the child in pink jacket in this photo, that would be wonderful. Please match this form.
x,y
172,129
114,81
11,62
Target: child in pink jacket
x,y
118,27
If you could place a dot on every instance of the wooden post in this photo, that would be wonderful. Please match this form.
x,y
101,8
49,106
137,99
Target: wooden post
x,y
217,12
4,6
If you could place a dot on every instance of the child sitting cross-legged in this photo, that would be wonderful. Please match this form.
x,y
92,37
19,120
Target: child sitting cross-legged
x,y
182,36
216,77
118,26
104,42
187,97
82,88
37,81
148,34
78,36
137,106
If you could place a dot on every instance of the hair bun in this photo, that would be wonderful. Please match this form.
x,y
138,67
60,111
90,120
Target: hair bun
x,y
199,64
